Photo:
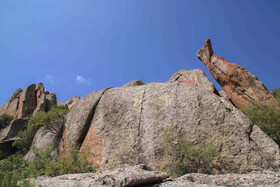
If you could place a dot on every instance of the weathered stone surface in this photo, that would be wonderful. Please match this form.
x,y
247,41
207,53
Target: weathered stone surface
x,y
125,176
50,100
196,77
40,98
47,136
78,121
113,133
11,106
240,85
12,129
129,122
27,102
134,83
265,178
70,103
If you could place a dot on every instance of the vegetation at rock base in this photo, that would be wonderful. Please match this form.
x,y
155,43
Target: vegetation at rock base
x,y
276,93
14,169
41,118
185,157
266,117
5,119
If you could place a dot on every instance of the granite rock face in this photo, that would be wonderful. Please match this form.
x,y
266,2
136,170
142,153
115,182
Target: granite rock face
x,y
126,125
23,103
78,121
241,86
125,176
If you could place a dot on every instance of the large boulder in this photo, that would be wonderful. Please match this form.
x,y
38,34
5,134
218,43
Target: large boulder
x,y
126,125
23,103
241,86
125,176
46,137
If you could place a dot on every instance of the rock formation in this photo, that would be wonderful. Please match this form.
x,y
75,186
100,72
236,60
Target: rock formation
x,y
72,102
46,137
139,176
125,176
23,103
126,125
240,85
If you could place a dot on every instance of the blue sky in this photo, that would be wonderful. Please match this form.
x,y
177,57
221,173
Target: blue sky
x,y
76,47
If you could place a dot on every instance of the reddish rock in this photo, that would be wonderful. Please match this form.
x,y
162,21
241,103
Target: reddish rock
x,y
241,86
40,97
11,106
23,103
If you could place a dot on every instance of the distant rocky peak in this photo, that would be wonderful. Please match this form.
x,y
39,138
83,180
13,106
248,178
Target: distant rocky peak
x,y
24,103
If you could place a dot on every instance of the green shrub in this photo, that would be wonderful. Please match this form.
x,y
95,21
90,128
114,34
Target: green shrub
x,y
5,119
39,119
266,117
15,169
276,94
184,157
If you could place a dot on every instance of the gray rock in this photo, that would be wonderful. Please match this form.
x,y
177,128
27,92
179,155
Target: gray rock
x,y
46,136
125,176
196,77
264,178
50,101
12,129
134,83
70,103
128,126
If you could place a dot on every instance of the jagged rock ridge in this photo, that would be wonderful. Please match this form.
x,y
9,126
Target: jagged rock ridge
x,y
23,103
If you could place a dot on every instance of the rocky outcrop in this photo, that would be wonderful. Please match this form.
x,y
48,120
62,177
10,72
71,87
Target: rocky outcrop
x,y
125,176
240,85
12,129
23,103
196,77
257,178
139,176
72,102
7,136
46,137
126,125
134,83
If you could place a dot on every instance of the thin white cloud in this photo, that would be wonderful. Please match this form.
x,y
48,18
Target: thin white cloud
x,y
49,78
80,79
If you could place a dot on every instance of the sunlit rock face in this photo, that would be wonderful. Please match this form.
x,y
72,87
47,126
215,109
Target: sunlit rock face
x,y
241,86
